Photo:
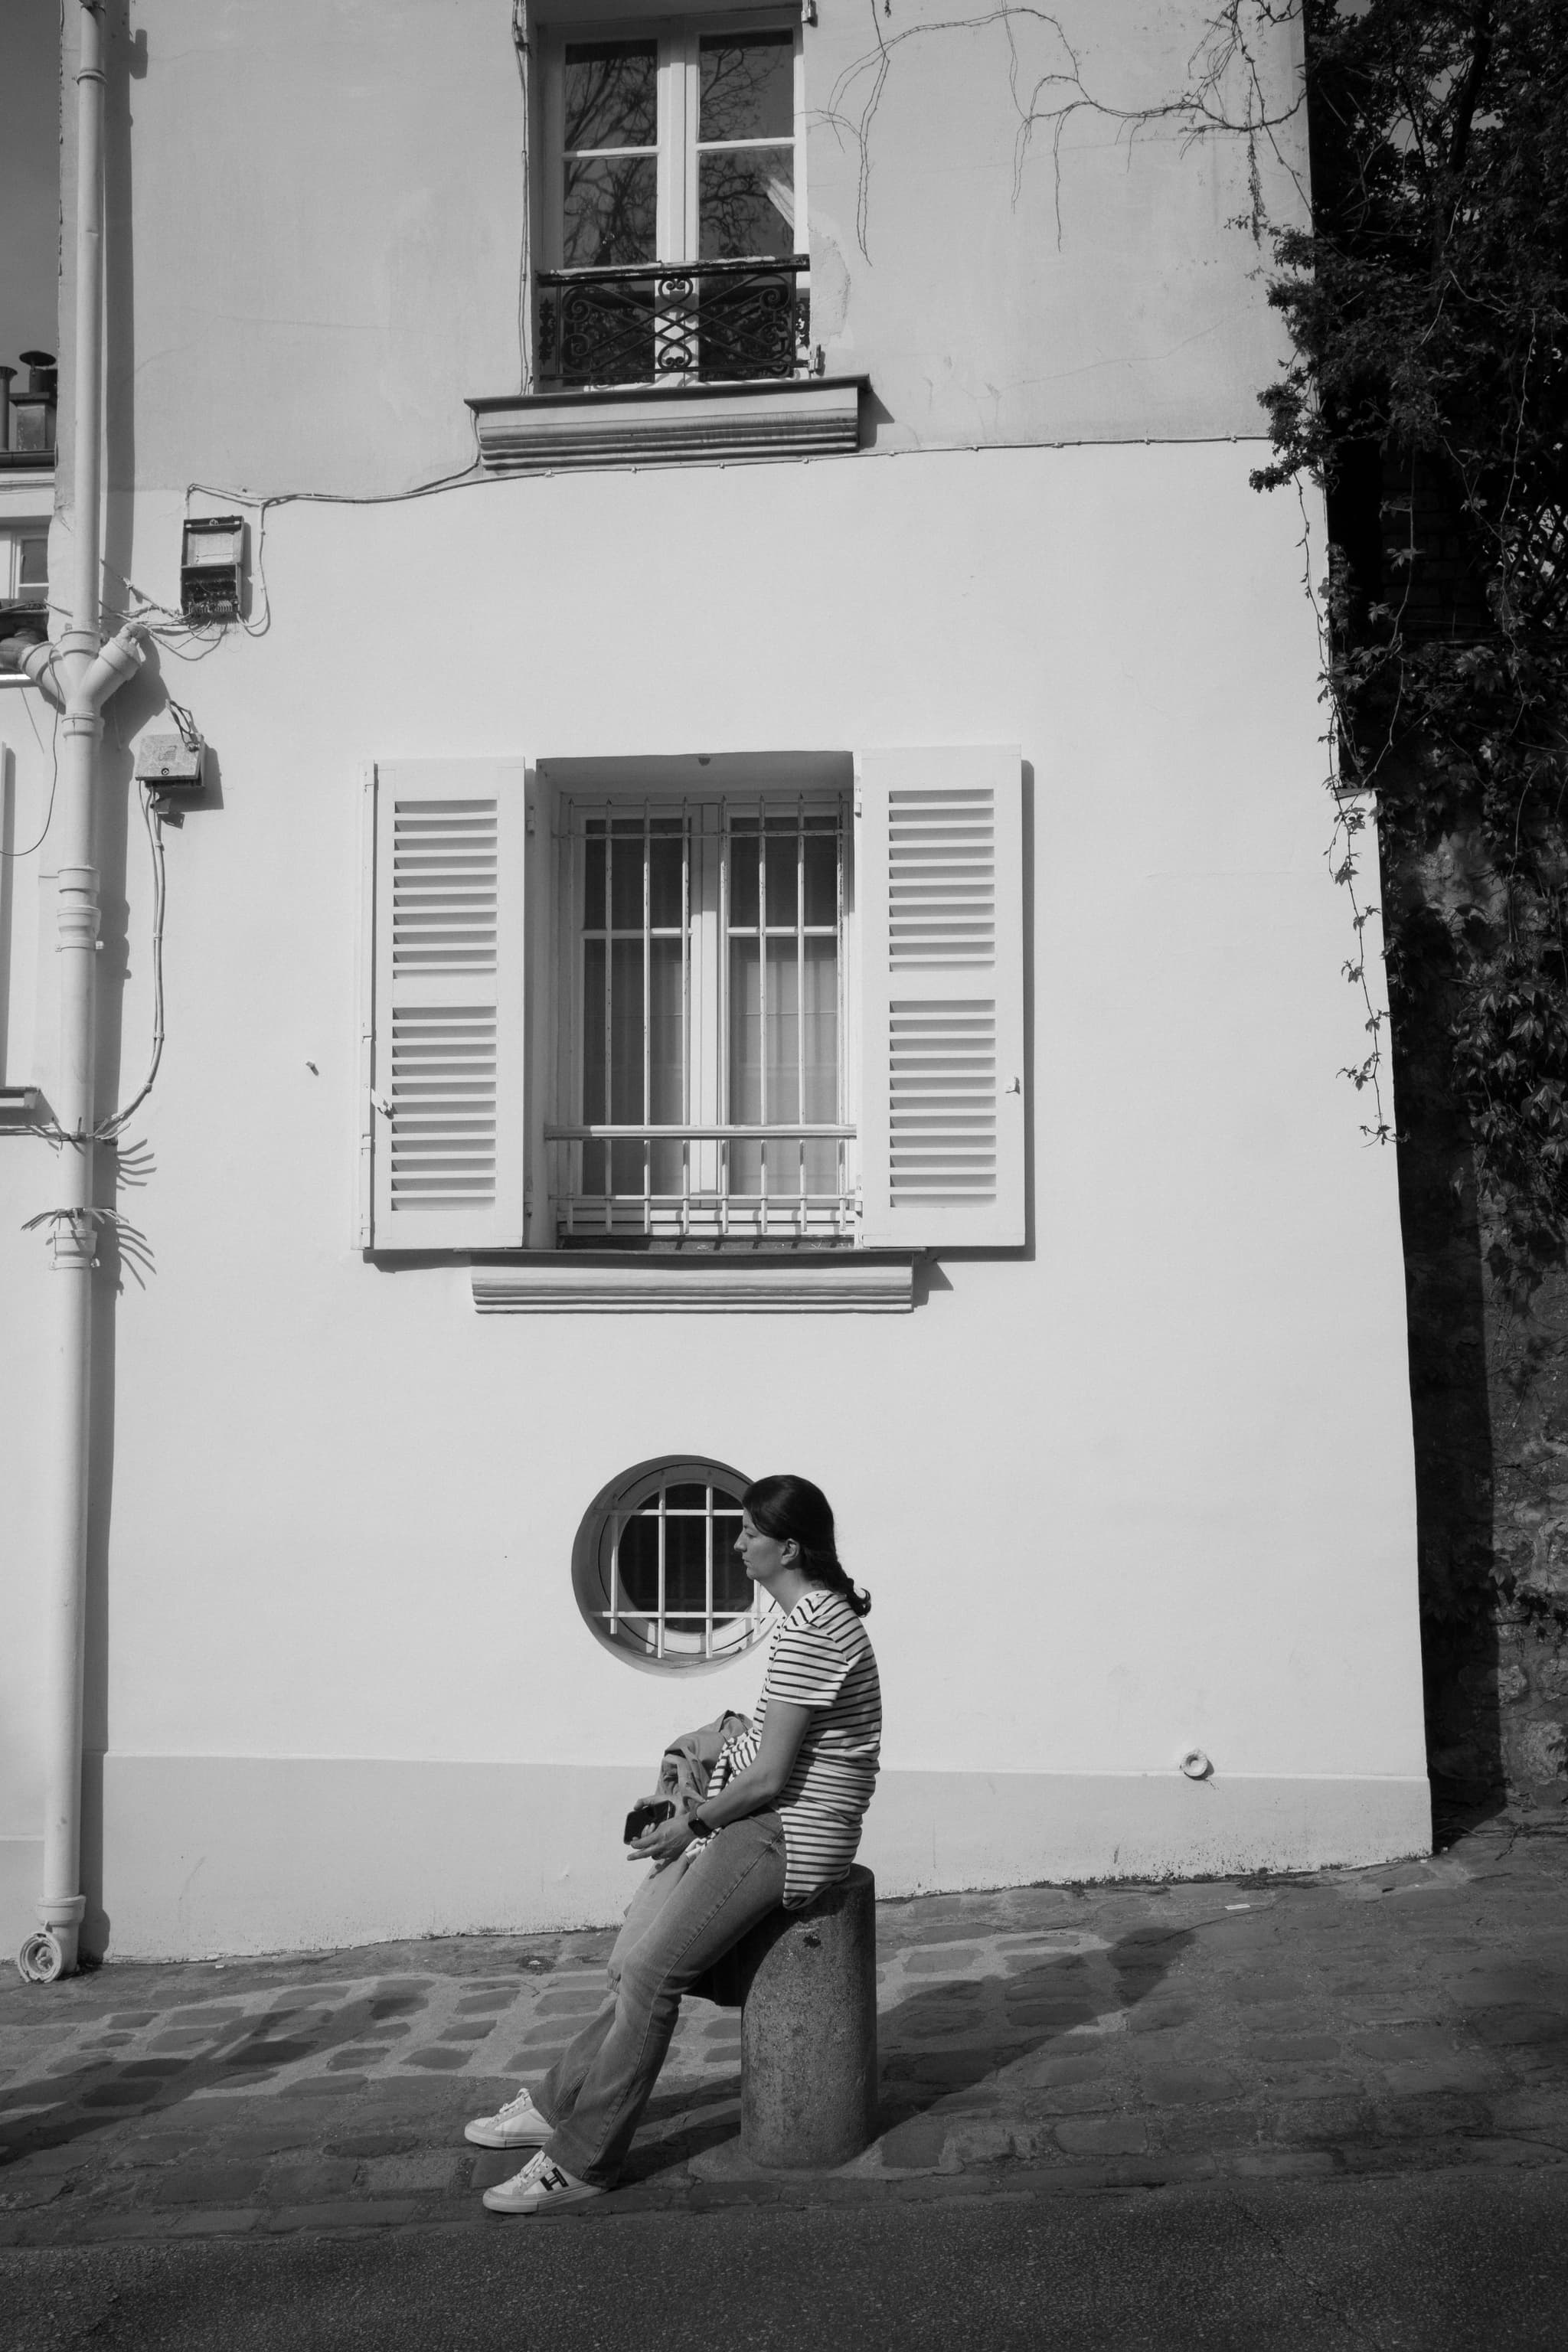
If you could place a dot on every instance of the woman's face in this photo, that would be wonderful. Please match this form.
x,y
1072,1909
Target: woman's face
x,y
763,1558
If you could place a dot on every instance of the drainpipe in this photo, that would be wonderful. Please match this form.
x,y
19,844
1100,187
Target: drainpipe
x,y
79,673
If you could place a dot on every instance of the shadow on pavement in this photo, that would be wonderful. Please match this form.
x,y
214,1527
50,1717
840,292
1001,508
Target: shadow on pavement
x,y
84,2096
947,2037
997,2021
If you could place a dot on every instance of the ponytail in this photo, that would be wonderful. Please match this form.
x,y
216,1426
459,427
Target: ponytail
x,y
792,1510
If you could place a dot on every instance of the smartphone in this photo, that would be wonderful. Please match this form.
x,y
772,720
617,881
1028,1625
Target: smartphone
x,y
643,1817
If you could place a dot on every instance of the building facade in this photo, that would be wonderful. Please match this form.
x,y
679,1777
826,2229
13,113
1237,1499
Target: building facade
x,y
757,901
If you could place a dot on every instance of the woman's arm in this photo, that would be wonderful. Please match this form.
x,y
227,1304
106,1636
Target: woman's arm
x,y
752,1791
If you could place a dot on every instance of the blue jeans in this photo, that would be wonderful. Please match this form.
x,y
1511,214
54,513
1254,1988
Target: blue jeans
x,y
681,1920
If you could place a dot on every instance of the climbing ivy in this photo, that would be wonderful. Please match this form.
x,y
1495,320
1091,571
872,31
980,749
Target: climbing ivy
x,y
1427,391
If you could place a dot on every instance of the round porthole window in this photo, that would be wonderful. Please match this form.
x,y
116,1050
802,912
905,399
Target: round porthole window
x,y
655,1568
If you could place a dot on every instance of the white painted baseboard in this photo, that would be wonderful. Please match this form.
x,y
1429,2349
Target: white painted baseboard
x,y
206,1854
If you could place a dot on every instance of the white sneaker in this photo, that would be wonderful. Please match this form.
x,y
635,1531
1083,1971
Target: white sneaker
x,y
516,2125
540,2186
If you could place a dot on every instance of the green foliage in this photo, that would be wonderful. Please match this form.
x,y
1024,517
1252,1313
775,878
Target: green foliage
x,y
1427,309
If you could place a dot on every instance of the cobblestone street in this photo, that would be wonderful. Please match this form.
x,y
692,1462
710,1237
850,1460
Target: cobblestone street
x,y
1049,2039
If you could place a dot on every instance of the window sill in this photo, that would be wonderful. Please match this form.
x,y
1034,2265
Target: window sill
x,y
696,424
612,1283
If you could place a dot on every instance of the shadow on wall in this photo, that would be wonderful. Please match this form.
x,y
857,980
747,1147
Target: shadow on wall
x,y
1488,1388
1452,1429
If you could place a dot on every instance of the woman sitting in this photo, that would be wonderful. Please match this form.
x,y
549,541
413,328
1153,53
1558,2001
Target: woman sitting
x,y
779,1821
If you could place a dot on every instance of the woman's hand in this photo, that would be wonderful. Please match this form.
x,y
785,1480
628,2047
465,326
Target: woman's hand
x,y
662,1842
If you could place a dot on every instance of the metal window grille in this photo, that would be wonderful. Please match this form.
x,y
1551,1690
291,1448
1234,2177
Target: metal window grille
x,y
669,1585
704,1069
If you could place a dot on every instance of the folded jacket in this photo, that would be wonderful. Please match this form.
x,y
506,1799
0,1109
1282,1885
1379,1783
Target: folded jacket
x,y
688,1762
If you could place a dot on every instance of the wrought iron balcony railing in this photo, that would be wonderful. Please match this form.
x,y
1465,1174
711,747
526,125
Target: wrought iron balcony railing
x,y
702,323
790,1180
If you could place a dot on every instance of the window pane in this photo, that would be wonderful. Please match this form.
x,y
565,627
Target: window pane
x,y
745,1033
593,1032
745,851
610,213
627,1160
626,882
685,1497
819,1034
666,855
782,1034
639,1559
782,875
821,877
595,1161
32,568
733,1590
748,86
592,885
666,1059
626,1032
745,203
686,1564
612,94
819,1060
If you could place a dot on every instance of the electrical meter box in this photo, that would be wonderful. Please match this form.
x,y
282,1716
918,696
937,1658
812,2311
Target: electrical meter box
x,y
169,764
212,560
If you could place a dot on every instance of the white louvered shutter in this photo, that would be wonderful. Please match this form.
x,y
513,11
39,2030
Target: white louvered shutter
x,y
940,894
446,1044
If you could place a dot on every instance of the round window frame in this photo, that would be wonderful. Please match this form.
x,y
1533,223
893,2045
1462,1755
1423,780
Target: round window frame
x,y
590,1583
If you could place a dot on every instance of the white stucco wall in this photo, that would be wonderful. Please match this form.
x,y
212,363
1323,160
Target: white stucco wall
x,y
1145,1484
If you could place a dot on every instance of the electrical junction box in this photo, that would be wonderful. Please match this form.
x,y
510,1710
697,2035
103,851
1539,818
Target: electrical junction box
x,y
211,557
169,764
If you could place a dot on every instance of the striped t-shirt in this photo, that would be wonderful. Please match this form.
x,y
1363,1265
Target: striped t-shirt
x,y
821,1658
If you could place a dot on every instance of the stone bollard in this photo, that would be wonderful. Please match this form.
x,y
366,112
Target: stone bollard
x,y
808,1983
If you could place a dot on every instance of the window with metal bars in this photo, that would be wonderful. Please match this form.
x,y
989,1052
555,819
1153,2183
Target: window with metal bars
x,y
656,1571
701,1087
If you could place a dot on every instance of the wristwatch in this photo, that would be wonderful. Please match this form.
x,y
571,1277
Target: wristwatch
x,y
699,1829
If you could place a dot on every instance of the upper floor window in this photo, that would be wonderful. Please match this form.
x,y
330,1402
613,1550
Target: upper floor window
x,y
24,563
674,205
23,589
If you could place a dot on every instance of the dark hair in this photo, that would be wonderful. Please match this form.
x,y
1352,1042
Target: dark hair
x,y
792,1510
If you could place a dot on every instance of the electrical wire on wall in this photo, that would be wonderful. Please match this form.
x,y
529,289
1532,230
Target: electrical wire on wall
x,y
108,1130
263,501
194,641
152,813
54,778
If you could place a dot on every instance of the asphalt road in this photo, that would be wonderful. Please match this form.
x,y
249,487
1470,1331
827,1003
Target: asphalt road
x,y
1424,2263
